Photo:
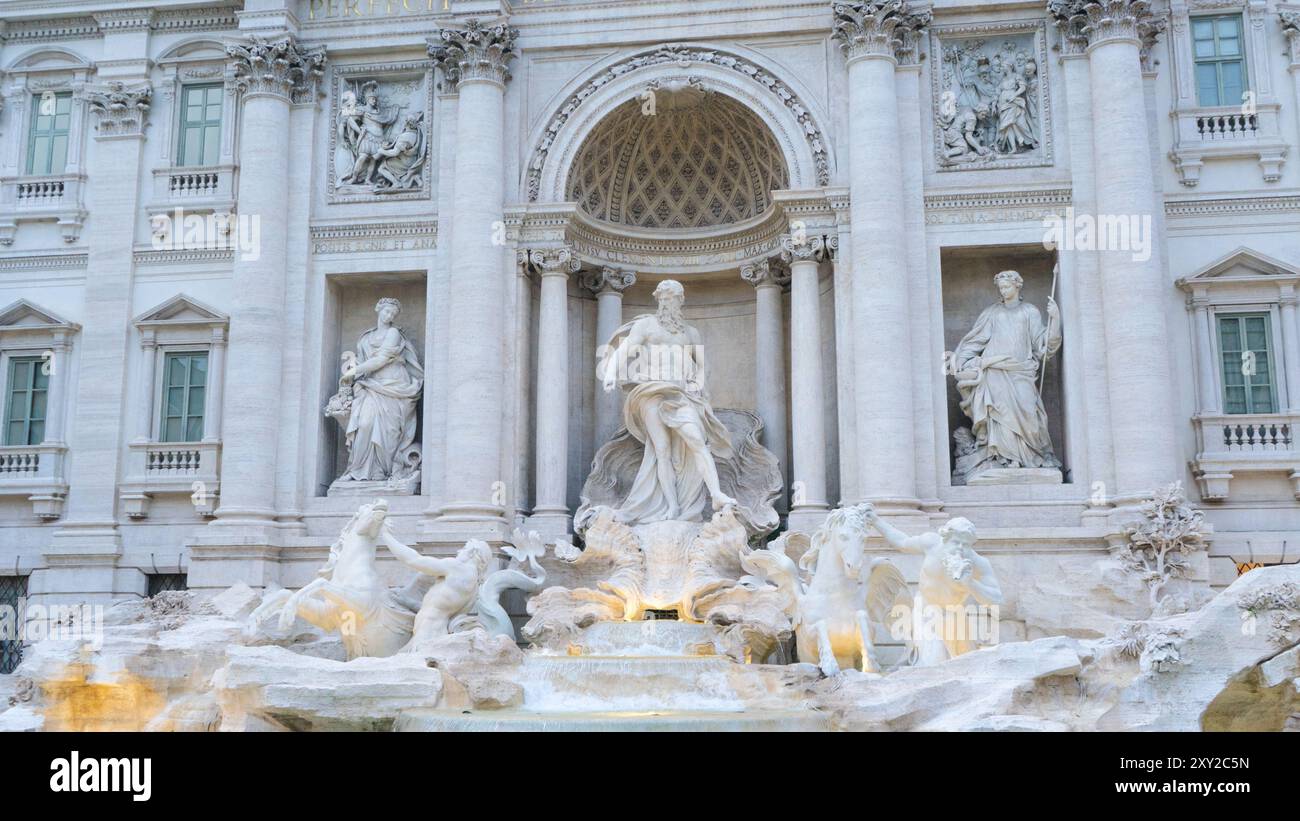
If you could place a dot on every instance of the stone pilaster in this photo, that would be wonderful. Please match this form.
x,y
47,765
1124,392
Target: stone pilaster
x,y
870,34
808,503
269,74
608,284
475,60
88,544
1133,289
769,278
550,509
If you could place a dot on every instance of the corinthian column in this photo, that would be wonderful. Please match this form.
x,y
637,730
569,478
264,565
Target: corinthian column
x,y
869,34
551,509
474,59
769,278
1133,290
808,393
270,75
608,284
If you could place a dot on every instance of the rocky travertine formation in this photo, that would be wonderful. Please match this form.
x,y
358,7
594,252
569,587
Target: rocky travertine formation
x,y
182,664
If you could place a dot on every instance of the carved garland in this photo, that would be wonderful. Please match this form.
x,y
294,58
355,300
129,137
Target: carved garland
x,y
681,54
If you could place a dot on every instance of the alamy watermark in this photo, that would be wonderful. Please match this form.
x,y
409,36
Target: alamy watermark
x,y
181,231
28,623
1073,231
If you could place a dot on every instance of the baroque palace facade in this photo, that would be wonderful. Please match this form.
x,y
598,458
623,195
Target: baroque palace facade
x,y
202,207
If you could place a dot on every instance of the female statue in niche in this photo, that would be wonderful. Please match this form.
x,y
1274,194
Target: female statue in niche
x,y
997,365
376,404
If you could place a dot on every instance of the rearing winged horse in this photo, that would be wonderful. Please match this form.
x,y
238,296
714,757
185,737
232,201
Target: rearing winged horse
x,y
845,596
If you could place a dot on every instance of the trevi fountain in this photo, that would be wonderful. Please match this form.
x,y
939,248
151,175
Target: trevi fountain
x,y
663,366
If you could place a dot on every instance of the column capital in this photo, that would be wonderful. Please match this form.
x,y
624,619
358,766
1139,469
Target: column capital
x,y
1291,28
1087,23
120,110
769,272
476,52
550,262
810,249
276,66
609,280
880,28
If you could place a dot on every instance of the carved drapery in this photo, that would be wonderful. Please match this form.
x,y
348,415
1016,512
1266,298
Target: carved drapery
x,y
120,110
880,28
476,52
277,66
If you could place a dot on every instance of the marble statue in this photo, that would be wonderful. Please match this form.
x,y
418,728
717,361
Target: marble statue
x,y
997,366
456,585
988,109
834,597
401,160
348,596
527,550
363,127
658,358
952,573
376,405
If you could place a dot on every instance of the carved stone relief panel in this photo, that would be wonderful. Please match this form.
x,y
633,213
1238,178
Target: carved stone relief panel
x,y
380,125
991,99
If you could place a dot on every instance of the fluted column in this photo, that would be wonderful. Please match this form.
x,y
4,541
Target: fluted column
x,y
551,509
808,504
270,75
608,284
869,33
769,278
474,59
1133,289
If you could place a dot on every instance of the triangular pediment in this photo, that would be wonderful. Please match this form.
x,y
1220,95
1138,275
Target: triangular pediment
x,y
182,310
24,315
1242,264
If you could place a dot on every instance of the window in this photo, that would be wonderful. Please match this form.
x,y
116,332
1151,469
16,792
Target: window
x,y
47,147
166,582
200,125
1247,358
13,589
185,377
1220,60
28,391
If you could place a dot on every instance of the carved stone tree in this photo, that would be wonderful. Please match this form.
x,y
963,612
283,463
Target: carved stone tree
x,y
1159,547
